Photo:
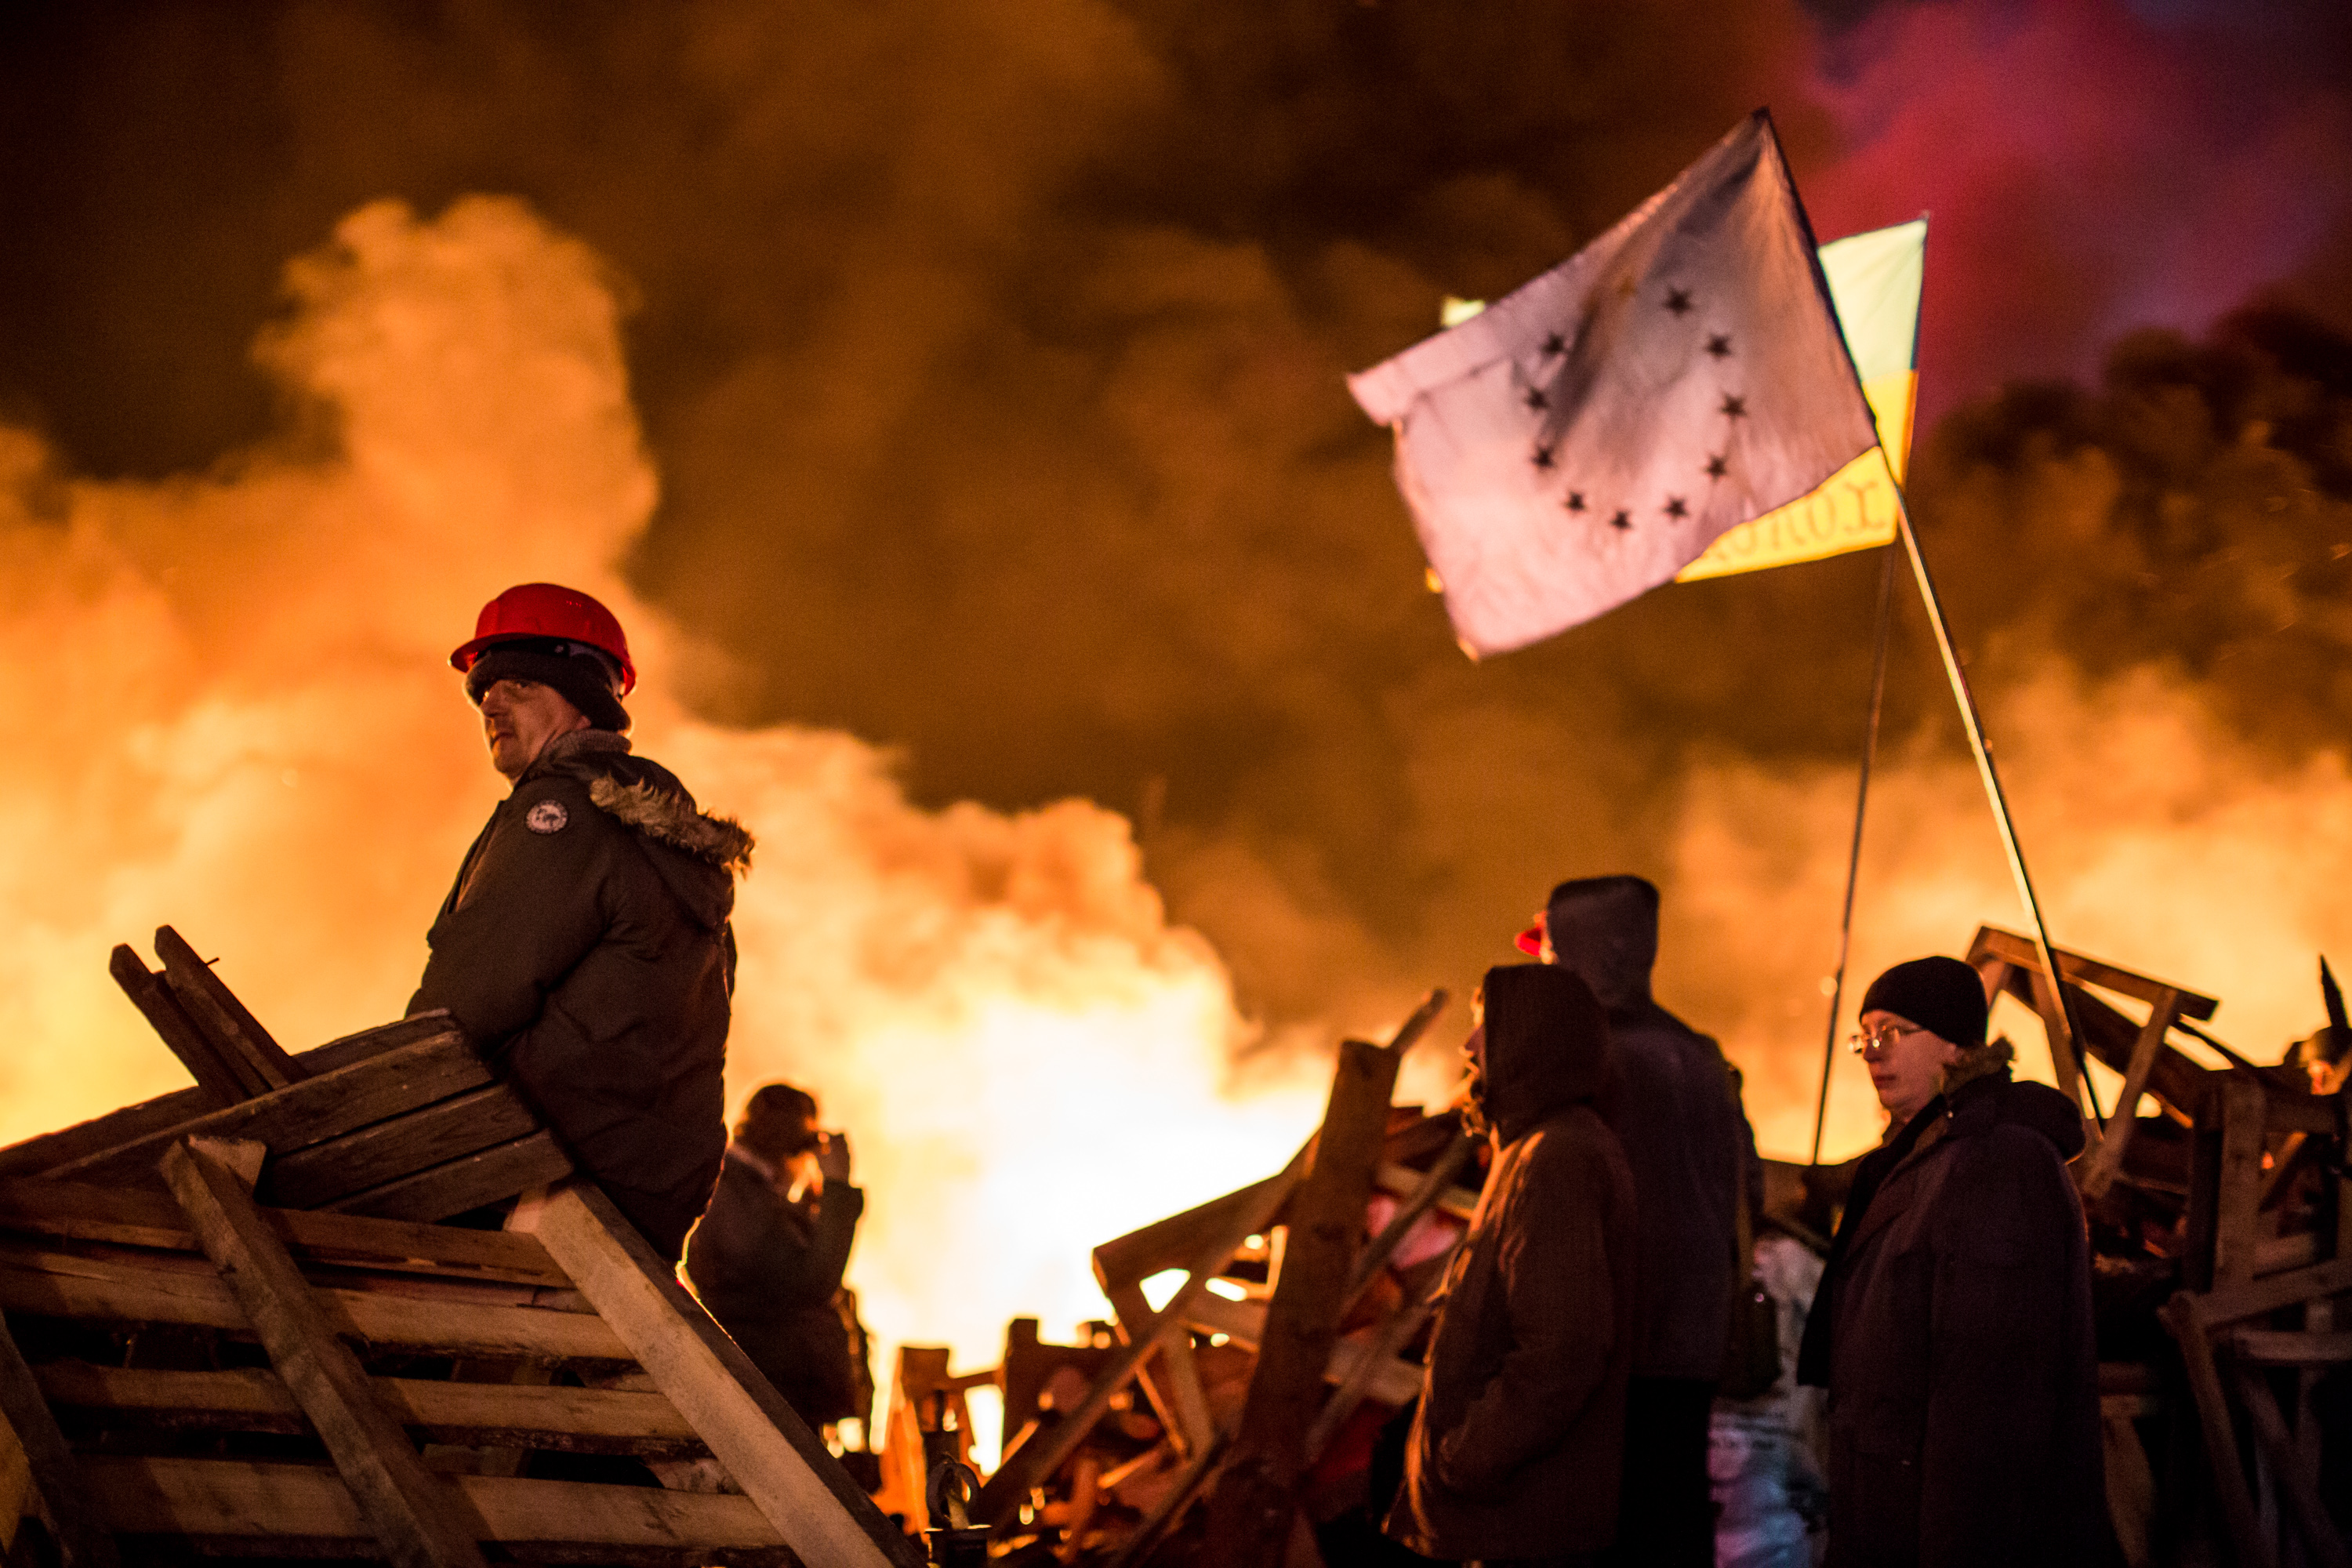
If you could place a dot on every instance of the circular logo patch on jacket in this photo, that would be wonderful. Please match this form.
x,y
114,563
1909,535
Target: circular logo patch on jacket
x,y
547,816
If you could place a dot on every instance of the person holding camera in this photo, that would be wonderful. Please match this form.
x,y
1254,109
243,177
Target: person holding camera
x,y
768,1256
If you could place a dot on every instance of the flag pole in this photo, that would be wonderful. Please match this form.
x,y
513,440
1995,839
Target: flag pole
x,y
1853,854
2063,1034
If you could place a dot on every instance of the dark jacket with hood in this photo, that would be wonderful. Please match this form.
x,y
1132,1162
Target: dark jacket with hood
x,y
1676,1111
585,948
770,1270
1964,1402
1516,1448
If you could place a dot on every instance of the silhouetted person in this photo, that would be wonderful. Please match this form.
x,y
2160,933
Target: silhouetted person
x,y
1514,1451
767,1256
1675,1108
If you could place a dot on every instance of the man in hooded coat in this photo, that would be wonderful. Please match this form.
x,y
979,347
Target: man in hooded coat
x,y
1963,1372
1514,1451
1676,1106
585,946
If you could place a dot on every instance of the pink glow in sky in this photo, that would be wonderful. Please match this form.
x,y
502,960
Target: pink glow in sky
x,y
2088,171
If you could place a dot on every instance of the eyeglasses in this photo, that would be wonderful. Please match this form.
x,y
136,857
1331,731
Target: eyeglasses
x,y
1884,1037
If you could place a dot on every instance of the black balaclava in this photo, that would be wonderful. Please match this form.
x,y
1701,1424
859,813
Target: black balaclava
x,y
581,673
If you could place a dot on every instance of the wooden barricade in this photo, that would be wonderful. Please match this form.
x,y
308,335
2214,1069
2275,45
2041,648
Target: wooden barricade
x,y
2250,1130
1268,1273
232,1333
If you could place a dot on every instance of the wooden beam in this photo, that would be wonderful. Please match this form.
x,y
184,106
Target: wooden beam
x,y
2009,948
2304,1506
2238,1216
226,1500
234,1034
510,1415
469,1182
2289,1347
1404,1182
1170,1377
401,1146
781,1464
301,1114
2107,1163
221,1081
79,1211
1175,1241
58,1490
1252,1505
47,1151
2269,1294
409,1511
2131,1485
2248,1545
103,1291
1028,1463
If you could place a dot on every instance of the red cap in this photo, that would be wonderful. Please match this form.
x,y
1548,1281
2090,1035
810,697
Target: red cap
x,y
1530,941
547,610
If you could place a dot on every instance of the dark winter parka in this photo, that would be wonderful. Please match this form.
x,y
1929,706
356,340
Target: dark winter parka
x,y
1516,1448
1673,1107
1964,1404
585,949
769,1271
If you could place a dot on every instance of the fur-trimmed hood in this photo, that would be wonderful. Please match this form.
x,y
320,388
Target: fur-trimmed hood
x,y
671,818
697,854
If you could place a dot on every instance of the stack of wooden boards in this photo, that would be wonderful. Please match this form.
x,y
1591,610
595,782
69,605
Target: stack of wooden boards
x,y
231,1332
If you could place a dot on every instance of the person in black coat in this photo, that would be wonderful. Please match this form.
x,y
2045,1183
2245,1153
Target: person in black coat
x,y
1675,1108
585,946
1963,1376
767,1259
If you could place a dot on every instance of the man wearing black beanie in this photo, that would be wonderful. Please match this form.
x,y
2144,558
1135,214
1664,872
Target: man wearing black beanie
x,y
1953,1325
586,948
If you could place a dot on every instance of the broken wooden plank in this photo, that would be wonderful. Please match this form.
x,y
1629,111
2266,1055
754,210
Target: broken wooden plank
x,y
230,1500
2239,1303
301,1114
234,1034
2250,1546
2108,1162
408,1509
46,1152
781,1464
111,1292
2299,1482
1172,1242
79,1211
1252,1505
1030,1461
2238,1215
402,1146
1170,1377
54,1479
2018,952
486,1176
222,1082
512,1415
2288,1347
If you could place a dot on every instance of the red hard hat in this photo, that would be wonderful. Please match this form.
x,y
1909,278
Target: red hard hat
x,y
547,610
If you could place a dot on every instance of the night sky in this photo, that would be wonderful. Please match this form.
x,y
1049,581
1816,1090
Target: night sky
x,y
991,360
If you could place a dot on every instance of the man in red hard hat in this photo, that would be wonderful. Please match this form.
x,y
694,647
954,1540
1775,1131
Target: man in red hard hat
x,y
585,947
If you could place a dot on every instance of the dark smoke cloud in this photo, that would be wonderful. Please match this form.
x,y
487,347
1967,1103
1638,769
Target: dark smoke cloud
x,y
991,357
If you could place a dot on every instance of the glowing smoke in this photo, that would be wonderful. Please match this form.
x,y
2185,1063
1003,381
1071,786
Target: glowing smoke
x,y
243,727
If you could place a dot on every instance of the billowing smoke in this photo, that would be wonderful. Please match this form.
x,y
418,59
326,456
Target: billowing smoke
x,y
983,403
247,729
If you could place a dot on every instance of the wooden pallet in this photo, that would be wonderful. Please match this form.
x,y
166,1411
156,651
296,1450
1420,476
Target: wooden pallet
x,y
230,1333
